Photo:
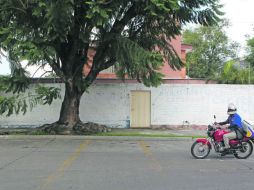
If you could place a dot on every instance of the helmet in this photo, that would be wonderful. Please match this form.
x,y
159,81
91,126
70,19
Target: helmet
x,y
231,109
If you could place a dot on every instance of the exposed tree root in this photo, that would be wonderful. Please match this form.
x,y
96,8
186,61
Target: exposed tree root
x,y
77,129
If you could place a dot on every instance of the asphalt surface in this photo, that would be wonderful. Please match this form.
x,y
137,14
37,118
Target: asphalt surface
x,y
109,163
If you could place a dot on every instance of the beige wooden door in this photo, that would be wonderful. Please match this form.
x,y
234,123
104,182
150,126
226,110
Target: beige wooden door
x,y
140,109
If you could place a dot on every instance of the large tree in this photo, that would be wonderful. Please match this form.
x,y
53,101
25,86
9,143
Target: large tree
x,y
123,33
211,48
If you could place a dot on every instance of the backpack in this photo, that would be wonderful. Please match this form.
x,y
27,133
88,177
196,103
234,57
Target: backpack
x,y
248,129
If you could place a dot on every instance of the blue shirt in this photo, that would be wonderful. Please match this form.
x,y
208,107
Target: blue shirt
x,y
235,120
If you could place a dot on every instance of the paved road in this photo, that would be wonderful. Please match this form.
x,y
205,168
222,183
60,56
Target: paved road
x,y
115,164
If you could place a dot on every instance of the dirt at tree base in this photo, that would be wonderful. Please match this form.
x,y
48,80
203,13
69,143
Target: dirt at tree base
x,y
80,128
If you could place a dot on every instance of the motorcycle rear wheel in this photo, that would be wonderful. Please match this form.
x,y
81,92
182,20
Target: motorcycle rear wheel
x,y
247,147
200,150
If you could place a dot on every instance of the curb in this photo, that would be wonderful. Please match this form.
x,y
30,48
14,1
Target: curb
x,y
123,138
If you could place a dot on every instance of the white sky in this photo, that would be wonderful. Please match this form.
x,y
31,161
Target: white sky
x,y
4,67
239,13
241,17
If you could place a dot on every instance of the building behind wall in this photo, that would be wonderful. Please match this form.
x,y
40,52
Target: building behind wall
x,y
169,73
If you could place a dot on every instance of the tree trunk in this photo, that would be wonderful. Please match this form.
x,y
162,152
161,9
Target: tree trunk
x,y
69,122
69,114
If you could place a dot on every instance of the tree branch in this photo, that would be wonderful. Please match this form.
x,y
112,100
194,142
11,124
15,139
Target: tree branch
x,y
110,37
108,64
89,79
37,70
119,25
55,67
15,8
45,73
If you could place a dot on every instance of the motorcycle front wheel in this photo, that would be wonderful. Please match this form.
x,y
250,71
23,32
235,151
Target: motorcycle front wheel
x,y
200,150
244,151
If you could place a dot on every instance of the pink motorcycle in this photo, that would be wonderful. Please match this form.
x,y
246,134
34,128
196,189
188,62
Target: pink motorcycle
x,y
240,148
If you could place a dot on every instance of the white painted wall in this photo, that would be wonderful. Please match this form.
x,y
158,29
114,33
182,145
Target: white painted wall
x,y
174,104
171,104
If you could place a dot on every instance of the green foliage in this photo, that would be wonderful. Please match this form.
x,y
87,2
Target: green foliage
x,y
98,12
211,47
17,83
139,63
233,74
47,94
10,104
3,86
250,55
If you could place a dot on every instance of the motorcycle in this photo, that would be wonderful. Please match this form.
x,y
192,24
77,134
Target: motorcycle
x,y
240,148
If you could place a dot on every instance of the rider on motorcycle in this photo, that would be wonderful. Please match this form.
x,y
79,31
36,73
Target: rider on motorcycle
x,y
235,125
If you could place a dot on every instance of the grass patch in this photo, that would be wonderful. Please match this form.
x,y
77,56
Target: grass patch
x,y
38,132
148,135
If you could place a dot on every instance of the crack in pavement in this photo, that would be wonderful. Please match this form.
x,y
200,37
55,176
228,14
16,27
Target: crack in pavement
x,y
26,154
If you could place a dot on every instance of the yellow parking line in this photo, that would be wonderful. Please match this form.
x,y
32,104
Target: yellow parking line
x,y
65,165
155,164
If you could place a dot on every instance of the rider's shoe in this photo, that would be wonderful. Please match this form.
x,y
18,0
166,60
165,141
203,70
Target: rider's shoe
x,y
225,151
226,148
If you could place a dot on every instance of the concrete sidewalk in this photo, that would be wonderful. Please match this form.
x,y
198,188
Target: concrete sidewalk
x,y
125,132
176,132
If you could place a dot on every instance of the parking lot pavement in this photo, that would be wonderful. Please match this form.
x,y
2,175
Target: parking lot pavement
x,y
61,163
